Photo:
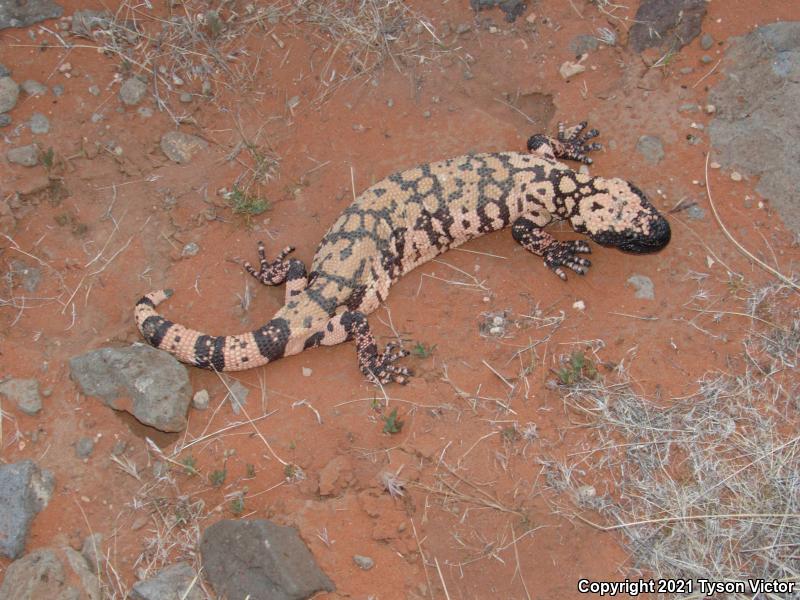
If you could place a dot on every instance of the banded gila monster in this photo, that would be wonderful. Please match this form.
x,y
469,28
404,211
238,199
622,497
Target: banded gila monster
x,y
406,220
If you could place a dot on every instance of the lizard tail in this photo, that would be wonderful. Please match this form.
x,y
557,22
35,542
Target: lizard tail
x,y
217,353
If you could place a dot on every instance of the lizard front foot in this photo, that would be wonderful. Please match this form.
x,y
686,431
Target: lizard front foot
x,y
571,145
565,254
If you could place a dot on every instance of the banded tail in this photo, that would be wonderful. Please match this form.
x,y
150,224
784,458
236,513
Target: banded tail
x,y
218,353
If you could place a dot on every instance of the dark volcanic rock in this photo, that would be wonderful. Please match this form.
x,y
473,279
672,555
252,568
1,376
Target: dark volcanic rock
x,y
21,13
756,128
260,560
670,23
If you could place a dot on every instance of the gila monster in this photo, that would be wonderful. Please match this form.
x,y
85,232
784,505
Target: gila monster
x,y
406,220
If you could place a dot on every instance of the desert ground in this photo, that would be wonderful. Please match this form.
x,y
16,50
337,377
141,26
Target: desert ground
x,y
636,422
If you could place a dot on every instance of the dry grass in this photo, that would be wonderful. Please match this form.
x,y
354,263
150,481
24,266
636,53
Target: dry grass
x,y
706,486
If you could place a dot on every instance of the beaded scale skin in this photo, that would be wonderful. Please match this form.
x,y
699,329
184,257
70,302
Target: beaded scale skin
x,y
406,220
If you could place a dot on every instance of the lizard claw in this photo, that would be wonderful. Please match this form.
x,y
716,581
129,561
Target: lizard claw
x,y
382,368
565,254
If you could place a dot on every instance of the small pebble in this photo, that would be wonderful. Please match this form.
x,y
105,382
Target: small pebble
x,y
33,88
58,90
427,114
145,112
206,88
686,70
365,563
706,41
200,400
94,90
96,118
705,59
84,447
710,109
27,156
5,120
119,447
39,124
463,28
307,372
65,68
186,97
736,176
715,165
189,250
579,305
389,102
687,108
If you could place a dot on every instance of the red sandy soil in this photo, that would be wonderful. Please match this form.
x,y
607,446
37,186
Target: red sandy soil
x,y
471,489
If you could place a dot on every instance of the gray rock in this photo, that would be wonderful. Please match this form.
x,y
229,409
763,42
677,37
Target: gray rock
x,y
9,92
39,124
14,13
148,383
96,117
5,120
34,88
651,148
582,44
200,400
365,563
176,582
84,21
27,156
94,90
689,107
260,559
58,90
132,91
705,59
24,393
93,552
181,147
84,447
643,286
706,41
30,276
145,112
24,491
49,573
755,127
186,97
669,23
238,396
4,72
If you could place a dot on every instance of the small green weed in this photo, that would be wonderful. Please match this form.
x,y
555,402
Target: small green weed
x,y
190,465
237,505
421,350
217,478
578,368
392,424
244,203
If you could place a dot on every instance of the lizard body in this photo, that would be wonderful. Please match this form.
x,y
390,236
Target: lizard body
x,y
406,220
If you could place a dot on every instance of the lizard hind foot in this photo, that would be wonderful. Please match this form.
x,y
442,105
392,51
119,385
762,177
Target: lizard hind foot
x,y
381,367
270,272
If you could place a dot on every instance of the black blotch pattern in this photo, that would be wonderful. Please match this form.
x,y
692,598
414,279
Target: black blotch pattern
x,y
272,338
154,328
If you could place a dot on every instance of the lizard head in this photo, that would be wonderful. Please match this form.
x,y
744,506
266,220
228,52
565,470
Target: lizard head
x,y
618,214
